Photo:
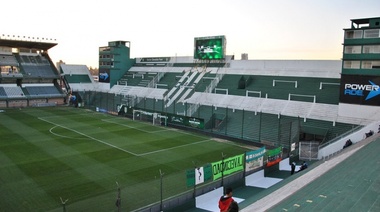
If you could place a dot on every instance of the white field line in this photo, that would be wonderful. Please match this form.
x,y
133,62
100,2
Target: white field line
x,y
95,139
91,113
111,145
162,150
125,125
86,113
164,129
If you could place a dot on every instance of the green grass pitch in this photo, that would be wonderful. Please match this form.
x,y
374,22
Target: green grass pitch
x,y
76,154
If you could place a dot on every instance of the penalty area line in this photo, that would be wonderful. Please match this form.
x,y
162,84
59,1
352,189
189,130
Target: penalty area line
x,y
131,127
92,138
163,150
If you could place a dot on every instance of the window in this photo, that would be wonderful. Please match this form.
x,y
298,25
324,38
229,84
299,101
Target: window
x,y
352,49
371,33
371,49
104,49
371,65
354,34
366,65
351,64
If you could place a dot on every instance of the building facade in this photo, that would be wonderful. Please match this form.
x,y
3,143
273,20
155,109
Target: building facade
x,y
114,61
360,77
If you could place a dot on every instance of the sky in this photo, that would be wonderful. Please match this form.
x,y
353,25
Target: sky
x,y
270,29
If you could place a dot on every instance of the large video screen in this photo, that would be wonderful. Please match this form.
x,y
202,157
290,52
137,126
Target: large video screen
x,y
209,48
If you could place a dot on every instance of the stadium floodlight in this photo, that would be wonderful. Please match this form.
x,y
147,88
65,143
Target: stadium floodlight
x,y
118,199
195,184
223,156
161,176
63,204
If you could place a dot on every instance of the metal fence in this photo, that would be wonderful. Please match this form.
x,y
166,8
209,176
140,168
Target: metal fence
x,y
308,150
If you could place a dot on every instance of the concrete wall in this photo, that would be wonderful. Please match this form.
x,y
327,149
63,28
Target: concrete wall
x,y
355,137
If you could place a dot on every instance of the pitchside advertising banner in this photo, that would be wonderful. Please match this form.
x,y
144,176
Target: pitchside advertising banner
x,y
214,170
186,121
359,89
177,119
274,156
155,59
104,75
254,159
198,175
227,166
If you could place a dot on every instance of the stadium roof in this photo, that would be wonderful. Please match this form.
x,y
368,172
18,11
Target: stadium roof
x,y
360,21
27,44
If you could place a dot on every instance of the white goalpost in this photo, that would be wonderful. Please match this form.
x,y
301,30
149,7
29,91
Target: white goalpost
x,y
155,118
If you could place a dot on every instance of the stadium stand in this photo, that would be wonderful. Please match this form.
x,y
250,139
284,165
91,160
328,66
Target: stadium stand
x,y
28,76
42,90
3,94
8,60
36,65
78,78
13,92
281,87
304,94
273,90
76,73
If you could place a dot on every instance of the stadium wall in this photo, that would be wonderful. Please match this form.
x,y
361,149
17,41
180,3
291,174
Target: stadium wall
x,y
359,111
3,104
296,68
17,103
332,148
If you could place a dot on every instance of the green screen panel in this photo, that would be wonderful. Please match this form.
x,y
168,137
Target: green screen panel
x,y
209,48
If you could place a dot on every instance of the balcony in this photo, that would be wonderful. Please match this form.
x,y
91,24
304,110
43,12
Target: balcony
x,y
361,56
361,41
368,72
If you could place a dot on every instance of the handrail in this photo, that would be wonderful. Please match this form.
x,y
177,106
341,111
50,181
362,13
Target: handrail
x,y
340,136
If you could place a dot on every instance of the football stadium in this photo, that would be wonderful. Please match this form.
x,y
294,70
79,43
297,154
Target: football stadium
x,y
173,133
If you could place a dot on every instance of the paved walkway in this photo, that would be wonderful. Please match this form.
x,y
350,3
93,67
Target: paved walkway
x,y
281,195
